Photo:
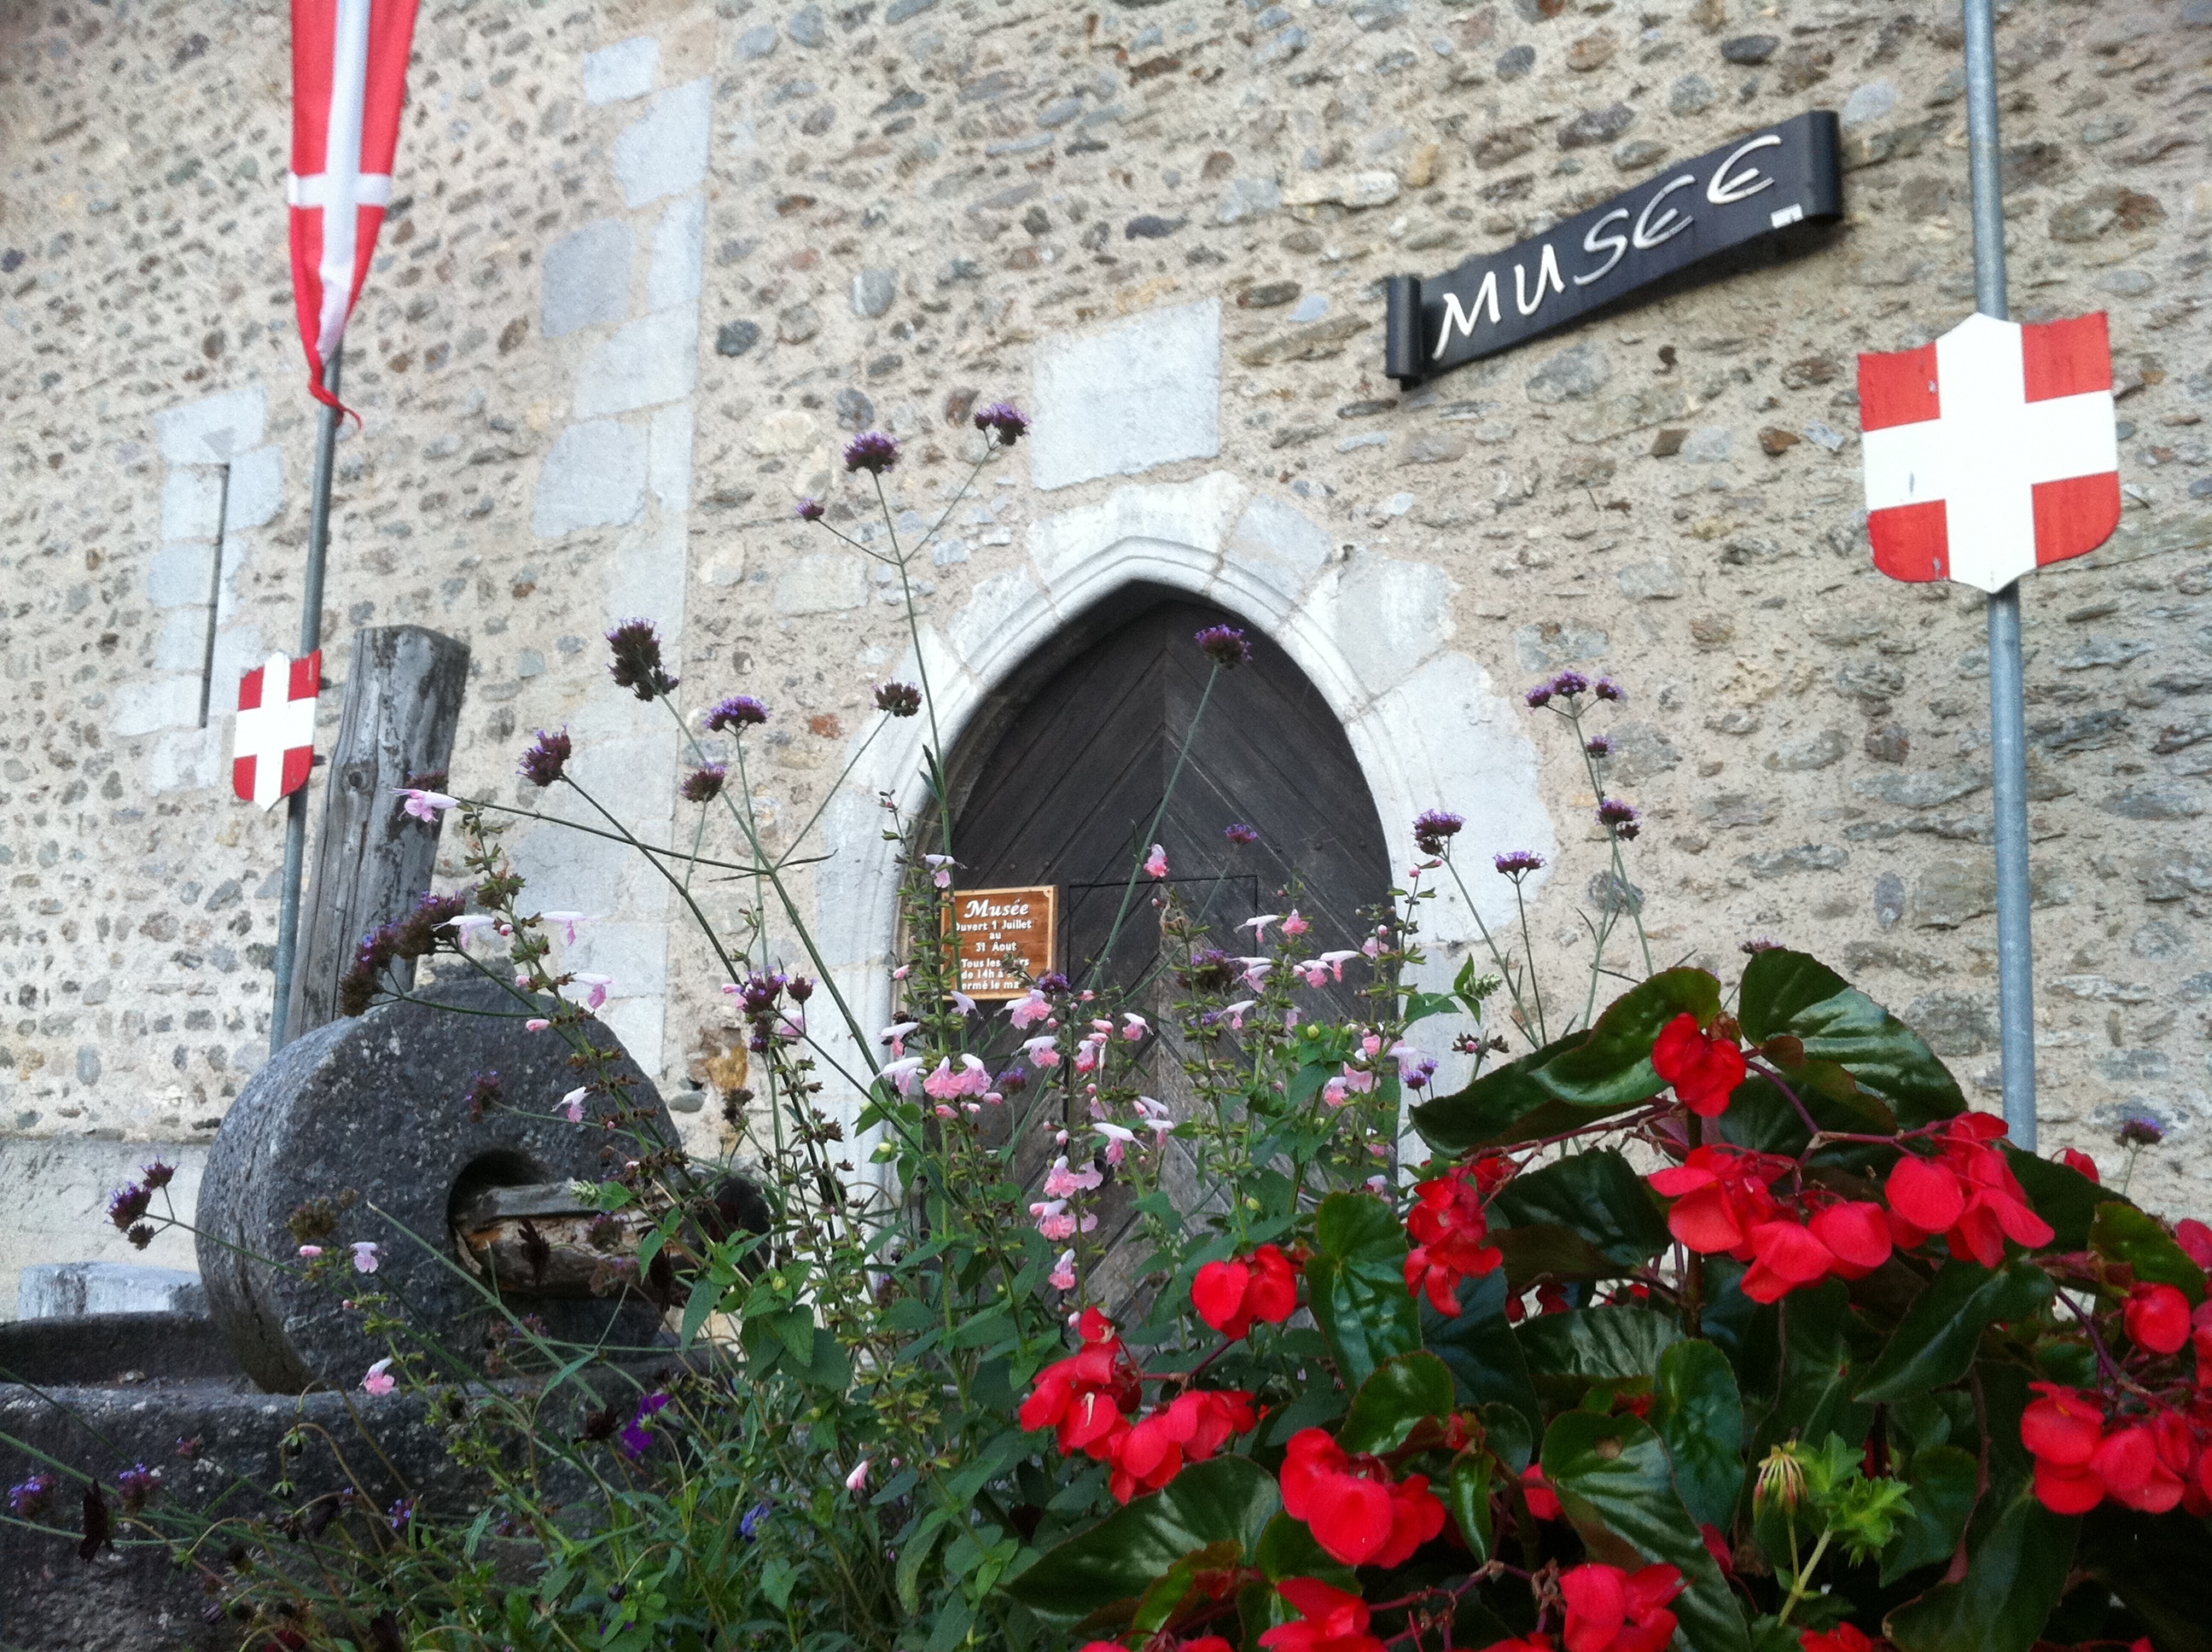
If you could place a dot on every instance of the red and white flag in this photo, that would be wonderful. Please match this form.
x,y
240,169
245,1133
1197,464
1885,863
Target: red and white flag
x,y
1992,451
273,744
349,82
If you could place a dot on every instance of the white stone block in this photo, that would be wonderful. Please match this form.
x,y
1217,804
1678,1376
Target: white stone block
x,y
1185,521
665,153
209,431
238,650
571,871
670,456
192,759
257,490
587,277
646,577
625,69
163,702
1387,617
641,1023
679,254
825,582
1141,392
192,502
649,361
635,955
53,1291
981,631
180,575
182,644
1277,545
594,476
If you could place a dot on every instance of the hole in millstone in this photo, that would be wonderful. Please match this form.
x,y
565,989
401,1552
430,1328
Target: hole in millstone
x,y
503,1167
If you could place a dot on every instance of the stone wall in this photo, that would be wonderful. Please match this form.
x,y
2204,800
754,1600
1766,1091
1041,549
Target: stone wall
x,y
648,266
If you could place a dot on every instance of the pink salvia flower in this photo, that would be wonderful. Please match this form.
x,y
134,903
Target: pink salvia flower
x,y
1334,1092
1063,1272
895,1034
425,805
1336,961
596,997
1235,1012
1026,1012
904,1073
1295,925
1259,925
1041,1051
858,1479
535,1023
940,869
380,1380
573,1104
1156,864
1133,1027
366,1259
567,922
308,1253
962,1002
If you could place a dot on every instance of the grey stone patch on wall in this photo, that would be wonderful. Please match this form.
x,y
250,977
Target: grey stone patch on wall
x,y
872,291
665,153
587,277
594,476
626,70
1547,644
1138,393
651,360
679,254
1954,1023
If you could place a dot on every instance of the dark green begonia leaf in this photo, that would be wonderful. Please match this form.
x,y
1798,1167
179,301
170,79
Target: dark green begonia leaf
x,y
1698,1414
2060,1195
1597,1342
1402,1392
2121,1233
1572,1080
1934,1342
1613,1480
1944,1481
2018,1554
1227,1499
2158,1565
1546,1250
1356,1284
1786,993
1596,1195
1478,1345
1467,1495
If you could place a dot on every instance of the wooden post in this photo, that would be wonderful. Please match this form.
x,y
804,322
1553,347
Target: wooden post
x,y
402,703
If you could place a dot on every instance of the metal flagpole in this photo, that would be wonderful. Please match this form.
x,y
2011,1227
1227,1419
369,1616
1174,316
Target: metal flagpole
x,y
311,638
2008,716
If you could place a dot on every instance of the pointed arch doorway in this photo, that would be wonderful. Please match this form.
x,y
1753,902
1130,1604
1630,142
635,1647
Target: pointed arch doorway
x,y
1060,773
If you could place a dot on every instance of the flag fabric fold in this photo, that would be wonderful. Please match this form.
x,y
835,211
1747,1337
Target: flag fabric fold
x,y
348,86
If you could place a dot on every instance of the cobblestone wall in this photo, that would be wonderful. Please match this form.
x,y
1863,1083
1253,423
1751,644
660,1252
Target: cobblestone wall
x,y
648,266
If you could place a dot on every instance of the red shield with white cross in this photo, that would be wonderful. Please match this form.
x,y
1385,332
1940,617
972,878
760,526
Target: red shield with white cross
x,y
1992,451
273,747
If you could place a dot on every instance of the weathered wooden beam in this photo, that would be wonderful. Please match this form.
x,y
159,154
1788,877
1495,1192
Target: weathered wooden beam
x,y
402,703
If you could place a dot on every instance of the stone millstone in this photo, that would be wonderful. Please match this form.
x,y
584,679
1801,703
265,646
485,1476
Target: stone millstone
x,y
376,1106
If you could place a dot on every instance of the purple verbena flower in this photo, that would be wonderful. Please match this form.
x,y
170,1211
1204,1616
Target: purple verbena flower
x,y
544,762
1225,646
1606,688
1539,695
636,664
1598,746
736,713
157,1175
899,699
136,1484
1013,1082
1240,833
27,1500
871,450
810,510
1052,981
416,936
704,785
485,1093
1757,944
2141,1130
1568,684
1433,827
400,1514
1617,817
1518,863
1004,417
129,1204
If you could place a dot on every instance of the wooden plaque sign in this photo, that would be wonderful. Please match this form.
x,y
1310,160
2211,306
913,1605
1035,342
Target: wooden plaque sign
x,y
1007,938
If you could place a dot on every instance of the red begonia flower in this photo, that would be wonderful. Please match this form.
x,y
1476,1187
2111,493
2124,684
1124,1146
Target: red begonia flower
x,y
1353,1510
1925,1193
1856,1235
2074,1159
2196,1238
1704,1071
1330,1621
1450,1234
2158,1318
1085,1395
1609,1610
2062,1427
1229,1296
1844,1638
1720,1195
1543,1502
1785,1256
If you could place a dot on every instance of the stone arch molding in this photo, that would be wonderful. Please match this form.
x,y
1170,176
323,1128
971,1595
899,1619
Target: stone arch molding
x,y
1372,633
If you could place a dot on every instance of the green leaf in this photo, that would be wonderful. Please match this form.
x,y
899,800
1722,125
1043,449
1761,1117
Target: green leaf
x,y
706,1294
1944,1481
1467,1494
1788,993
1402,1393
2060,1195
827,1366
2157,1564
1934,1342
1226,1499
1595,1194
2122,1233
916,1555
2018,1554
1173,1587
1287,1549
1613,1478
1484,1354
1509,1437
1597,1342
1419,1006
1356,1284
1577,1078
1698,1413
1539,1250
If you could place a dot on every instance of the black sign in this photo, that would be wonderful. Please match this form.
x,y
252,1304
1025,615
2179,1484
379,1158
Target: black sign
x,y
1757,186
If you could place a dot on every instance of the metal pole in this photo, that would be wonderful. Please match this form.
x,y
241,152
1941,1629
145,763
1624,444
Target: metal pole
x,y
311,638
2008,714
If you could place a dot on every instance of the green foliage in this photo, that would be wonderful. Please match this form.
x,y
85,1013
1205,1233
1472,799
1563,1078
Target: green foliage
x,y
1936,1342
1788,994
1357,1285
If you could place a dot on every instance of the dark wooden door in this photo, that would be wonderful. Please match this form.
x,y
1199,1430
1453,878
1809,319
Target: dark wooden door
x,y
1061,780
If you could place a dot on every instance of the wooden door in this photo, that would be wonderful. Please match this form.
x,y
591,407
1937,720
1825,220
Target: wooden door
x,y
1062,779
